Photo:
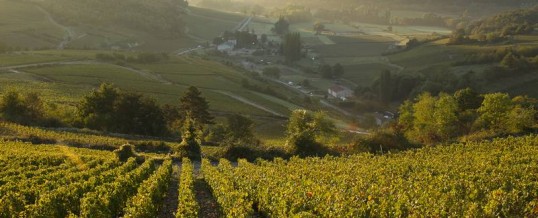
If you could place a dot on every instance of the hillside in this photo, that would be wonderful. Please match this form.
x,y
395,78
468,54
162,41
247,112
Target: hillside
x,y
160,26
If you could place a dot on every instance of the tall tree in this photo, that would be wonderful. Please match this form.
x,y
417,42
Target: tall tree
x,y
446,118
292,47
190,144
385,86
281,26
193,105
424,128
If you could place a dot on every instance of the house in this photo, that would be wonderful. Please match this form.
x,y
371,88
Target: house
x,y
227,46
340,92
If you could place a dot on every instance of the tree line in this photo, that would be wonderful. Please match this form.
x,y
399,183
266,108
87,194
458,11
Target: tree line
x,y
497,28
459,117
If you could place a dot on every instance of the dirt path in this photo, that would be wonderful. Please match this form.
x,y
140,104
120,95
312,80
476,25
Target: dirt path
x,y
243,24
10,68
251,103
209,208
171,200
69,32
147,75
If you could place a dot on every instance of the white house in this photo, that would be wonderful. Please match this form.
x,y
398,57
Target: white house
x,y
227,46
340,92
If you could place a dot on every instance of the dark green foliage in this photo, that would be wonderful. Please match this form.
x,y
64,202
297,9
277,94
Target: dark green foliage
x,y
25,109
326,71
193,105
382,142
138,115
240,129
281,26
190,144
251,153
338,70
110,109
125,152
385,87
291,47
333,72
306,130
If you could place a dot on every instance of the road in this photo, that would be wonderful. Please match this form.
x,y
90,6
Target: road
x,y
251,103
243,24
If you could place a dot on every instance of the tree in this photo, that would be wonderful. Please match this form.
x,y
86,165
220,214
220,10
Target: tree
x,y
263,38
326,71
493,113
424,128
240,129
521,118
193,105
110,109
97,109
446,118
190,144
338,70
406,119
510,61
291,47
12,107
468,99
135,114
281,26
319,27
385,86
305,130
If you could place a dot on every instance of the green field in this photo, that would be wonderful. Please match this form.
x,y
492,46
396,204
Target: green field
x,y
67,81
24,25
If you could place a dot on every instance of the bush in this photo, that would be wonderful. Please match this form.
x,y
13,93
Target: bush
x,y
381,142
125,152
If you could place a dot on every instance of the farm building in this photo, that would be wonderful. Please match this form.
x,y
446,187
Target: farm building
x,y
227,46
340,92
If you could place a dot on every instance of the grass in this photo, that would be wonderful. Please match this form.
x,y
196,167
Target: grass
x,y
352,47
11,60
22,24
364,74
208,24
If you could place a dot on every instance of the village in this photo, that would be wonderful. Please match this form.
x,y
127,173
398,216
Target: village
x,y
257,53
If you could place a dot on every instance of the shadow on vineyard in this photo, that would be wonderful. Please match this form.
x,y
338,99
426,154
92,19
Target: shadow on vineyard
x,y
208,205
171,200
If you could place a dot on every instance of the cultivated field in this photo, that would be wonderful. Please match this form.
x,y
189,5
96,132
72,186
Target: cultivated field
x,y
58,181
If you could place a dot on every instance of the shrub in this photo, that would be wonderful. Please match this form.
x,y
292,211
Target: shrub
x,y
125,152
